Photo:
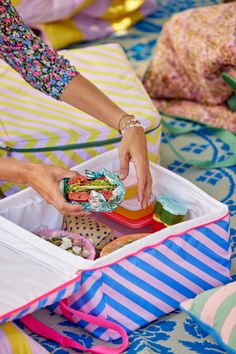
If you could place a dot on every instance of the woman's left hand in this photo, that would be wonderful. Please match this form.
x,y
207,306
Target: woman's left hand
x,y
133,147
45,180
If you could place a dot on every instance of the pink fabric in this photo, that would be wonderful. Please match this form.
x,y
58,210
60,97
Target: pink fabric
x,y
168,270
188,266
200,255
184,76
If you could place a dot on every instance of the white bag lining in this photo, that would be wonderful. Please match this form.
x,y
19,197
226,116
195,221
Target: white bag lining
x,y
23,279
26,211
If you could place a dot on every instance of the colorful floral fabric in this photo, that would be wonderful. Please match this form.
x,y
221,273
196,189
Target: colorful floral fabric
x,y
42,67
188,65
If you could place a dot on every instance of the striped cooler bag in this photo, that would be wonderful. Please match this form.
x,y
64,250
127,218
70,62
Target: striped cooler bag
x,y
122,291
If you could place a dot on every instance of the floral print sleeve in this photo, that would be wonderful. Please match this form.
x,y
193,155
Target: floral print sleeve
x,y
42,67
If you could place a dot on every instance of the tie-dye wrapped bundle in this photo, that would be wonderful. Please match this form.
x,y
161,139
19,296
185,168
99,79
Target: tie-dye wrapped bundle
x,y
193,75
100,191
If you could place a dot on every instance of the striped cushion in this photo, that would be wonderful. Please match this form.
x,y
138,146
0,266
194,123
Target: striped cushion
x,y
14,341
215,311
37,128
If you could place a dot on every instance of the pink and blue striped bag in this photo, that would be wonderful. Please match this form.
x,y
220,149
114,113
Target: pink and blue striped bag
x,y
122,291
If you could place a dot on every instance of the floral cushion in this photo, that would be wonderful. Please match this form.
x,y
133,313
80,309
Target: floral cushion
x,y
185,74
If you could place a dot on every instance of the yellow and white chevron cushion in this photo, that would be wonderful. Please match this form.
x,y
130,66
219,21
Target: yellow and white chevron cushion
x,y
14,341
37,128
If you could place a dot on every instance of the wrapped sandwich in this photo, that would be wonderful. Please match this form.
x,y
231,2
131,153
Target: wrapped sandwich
x,y
97,191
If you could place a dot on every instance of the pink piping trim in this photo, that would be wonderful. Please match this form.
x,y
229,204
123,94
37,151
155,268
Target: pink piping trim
x,y
68,283
104,266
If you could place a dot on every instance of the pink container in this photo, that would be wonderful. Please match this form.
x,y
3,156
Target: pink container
x,y
45,233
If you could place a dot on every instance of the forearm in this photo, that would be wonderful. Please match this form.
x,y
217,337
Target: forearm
x,y
14,171
85,96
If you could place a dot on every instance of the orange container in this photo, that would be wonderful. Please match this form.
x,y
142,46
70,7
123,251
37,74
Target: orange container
x,y
130,191
131,208
130,184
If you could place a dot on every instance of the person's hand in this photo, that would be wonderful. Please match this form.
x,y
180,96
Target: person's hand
x,y
45,180
133,147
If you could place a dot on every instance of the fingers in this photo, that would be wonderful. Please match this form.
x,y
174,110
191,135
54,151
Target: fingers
x,y
134,147
57,200
141,181
72,209
147,191
144,186
68,174
144,179
124,164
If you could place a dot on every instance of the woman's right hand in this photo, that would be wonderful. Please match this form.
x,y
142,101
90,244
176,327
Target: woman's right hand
x,y
133,147
45,180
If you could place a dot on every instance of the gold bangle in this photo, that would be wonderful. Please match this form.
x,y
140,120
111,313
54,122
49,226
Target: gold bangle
x,y
124,116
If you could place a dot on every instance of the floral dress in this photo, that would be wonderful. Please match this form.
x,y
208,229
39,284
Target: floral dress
x,y
42,67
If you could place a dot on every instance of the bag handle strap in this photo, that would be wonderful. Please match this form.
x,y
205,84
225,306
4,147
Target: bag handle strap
x,y
224,135
41,329
70,314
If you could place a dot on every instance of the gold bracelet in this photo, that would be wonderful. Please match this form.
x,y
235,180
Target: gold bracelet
x,y
125,115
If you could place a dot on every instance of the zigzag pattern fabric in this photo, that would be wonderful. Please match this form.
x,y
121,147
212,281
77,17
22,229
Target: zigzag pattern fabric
x,y
15,341
37,128
145,286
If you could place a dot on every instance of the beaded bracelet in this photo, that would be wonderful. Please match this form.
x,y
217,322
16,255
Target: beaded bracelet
x,y
131,120
131,124
124,116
